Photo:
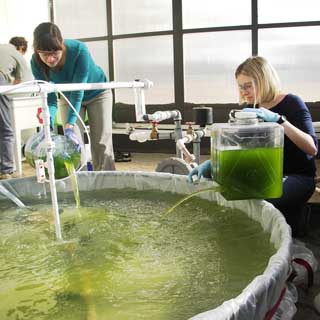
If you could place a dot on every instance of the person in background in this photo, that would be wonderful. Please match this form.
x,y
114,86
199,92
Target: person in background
x,y
20,43
13,70
259,90
61,60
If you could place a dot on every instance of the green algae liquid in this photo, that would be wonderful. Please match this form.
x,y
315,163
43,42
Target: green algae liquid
x,y
64,151
249,173
122,260
60,170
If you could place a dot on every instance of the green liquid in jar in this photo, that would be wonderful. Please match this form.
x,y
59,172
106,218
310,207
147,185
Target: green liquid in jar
x,y
249,173
59,161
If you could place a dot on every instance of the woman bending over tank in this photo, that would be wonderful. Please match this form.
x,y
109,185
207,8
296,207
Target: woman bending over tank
x,y
61,60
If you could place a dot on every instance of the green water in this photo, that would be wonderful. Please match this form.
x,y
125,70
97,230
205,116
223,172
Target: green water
x,y
123,260
249,173
60,170
74,182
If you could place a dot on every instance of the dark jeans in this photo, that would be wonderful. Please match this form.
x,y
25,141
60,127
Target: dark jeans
x,y
6,133
297,190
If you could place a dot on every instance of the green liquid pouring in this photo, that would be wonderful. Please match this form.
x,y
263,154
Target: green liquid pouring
x,y
74,182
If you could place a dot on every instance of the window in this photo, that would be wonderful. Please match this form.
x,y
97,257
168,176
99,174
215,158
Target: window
x,y
141,16
270,11
75,18
215,13
294,52
145,58
210,62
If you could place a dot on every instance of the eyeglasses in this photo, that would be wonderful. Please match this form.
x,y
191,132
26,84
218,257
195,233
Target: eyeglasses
x,y
246,86
46,54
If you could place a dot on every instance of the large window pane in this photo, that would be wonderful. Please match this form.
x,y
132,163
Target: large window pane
x,y
99,53
81,18
295,54
141,16
210,62
145,58
20,18
288,10
214,13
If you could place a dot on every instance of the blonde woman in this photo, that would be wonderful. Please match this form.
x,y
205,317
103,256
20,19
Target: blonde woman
x,y
259,91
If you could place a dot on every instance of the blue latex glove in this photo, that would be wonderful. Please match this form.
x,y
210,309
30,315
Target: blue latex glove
x,y
202,170
264,114
69,133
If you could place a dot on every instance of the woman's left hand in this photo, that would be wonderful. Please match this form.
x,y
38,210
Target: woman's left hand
x,y
264,114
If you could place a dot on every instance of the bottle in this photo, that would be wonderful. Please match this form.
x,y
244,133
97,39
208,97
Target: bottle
x,y
65,150
247,157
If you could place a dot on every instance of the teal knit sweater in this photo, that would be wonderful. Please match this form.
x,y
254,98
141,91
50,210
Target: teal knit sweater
x,y
79,67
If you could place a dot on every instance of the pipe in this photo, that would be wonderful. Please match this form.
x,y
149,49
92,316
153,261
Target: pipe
x,y
163,115
199,133
181,146
12,197
140,135
50,164
33,87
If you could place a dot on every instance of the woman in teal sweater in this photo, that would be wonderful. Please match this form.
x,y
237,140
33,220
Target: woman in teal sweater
x,y
61,60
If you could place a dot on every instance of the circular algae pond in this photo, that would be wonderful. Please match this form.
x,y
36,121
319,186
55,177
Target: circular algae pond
x,y
123,259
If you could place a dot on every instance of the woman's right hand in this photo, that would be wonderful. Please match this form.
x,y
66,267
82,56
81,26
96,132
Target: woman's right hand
x,y
202,170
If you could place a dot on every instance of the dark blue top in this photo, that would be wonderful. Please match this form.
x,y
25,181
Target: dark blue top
x,y
295,160
79,67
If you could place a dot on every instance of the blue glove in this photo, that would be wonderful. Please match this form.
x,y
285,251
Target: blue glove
x,y
264,114
73,137
202,170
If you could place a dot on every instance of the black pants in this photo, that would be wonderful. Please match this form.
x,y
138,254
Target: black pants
x,y
297,190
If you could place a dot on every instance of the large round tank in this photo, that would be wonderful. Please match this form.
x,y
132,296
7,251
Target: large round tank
x,y
259,294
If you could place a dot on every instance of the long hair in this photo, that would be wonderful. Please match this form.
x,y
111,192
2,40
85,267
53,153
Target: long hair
x,y
265,78
46,37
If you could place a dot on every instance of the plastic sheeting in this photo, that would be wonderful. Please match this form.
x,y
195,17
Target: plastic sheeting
x,y
264,290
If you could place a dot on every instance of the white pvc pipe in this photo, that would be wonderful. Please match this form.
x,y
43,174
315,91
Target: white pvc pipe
x,y
52,87
181,146
50,164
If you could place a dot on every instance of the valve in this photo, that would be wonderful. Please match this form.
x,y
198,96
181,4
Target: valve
x,y
190,128
154,130
39,115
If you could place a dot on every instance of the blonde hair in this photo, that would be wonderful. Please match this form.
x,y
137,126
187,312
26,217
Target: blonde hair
x,y
265,78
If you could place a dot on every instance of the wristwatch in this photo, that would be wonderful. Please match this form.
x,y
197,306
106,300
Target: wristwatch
x,y
281,119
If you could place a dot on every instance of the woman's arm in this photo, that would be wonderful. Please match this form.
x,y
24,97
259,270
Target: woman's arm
x,y
80,75
301,139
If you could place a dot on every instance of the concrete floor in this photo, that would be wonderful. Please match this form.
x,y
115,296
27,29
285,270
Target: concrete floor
x,y
148,162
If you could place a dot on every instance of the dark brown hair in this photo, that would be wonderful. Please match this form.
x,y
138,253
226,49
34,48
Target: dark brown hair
x,y
20,43
46,37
